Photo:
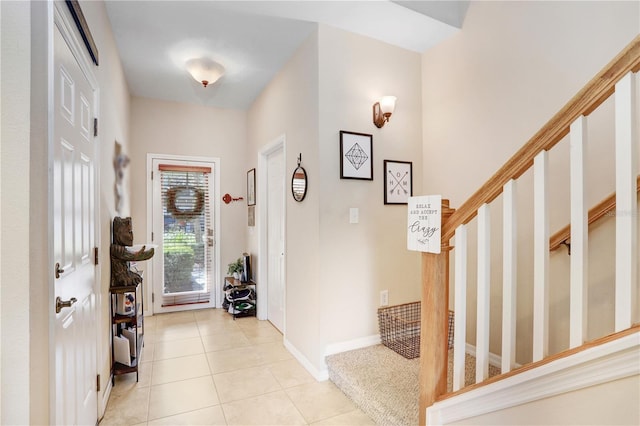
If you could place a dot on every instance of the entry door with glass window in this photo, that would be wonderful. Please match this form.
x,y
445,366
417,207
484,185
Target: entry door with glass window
x,y
183,229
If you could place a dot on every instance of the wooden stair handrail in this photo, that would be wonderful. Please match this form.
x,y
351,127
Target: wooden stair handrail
x,y
585,102
595,213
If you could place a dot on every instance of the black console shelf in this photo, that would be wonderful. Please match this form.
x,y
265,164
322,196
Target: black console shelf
x,y
133,322
238,307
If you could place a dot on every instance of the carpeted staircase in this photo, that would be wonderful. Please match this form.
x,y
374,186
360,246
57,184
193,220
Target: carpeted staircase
x,y
384,384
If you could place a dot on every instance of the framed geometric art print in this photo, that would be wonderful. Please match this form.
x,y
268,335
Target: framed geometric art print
x,y
356,155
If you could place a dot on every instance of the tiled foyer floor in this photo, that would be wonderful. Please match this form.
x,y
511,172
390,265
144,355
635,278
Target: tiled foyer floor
x,y
204,368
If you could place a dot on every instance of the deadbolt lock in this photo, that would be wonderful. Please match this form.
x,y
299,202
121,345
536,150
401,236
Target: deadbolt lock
x,y
59,270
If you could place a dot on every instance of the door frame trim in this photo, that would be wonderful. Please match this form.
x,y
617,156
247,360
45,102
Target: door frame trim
x,y
59,17
262,288
217,286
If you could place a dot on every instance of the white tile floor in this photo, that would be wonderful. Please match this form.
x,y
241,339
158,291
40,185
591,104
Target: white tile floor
x,y
204,368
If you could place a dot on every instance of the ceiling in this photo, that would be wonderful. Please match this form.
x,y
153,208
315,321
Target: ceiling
x,y
254,39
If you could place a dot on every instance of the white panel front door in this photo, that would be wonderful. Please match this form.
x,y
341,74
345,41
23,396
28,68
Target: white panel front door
x,y
75,338
275,238
184,267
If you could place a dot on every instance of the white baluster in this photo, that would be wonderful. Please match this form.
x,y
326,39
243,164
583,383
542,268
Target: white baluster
x,y
509,276
626,201
460,318
540,257
484,290
579,234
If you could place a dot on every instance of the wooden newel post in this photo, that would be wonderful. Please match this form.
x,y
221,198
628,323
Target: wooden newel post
x,y
434,323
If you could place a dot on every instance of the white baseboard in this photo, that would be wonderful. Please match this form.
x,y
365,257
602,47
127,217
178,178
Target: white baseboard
x,y
349,345
334,348
601,364
495,360
319,375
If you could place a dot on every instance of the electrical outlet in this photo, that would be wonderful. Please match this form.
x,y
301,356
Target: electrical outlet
x,y
384,298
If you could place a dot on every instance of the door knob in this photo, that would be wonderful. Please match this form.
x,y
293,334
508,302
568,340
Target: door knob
x,y
64,303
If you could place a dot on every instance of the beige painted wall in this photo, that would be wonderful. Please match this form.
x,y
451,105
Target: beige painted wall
x,y
359,260
486,91
1,223
289,106
161,127
581,407
39,263
113,126
14,225
26,307
335,270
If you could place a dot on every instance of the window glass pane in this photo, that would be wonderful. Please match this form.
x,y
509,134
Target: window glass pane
x,y
187,225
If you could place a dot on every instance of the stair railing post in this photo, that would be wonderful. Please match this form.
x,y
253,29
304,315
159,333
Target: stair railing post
x,y
434,323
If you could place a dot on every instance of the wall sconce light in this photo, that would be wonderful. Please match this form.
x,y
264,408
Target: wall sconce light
x,y
382,110
204,70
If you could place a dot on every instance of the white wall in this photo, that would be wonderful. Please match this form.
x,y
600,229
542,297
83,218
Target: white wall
x,y
334,270
359,260
41,288
1,223
487,90
162,127
611,403
289,106
26,301
14,227
113,126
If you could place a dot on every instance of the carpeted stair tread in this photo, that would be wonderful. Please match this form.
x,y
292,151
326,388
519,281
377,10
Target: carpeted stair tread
x,y
384,384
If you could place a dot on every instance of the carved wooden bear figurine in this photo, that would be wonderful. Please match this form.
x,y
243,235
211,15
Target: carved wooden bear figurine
x,y
121,275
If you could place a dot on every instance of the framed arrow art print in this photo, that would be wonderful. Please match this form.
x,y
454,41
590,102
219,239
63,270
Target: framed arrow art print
x,y
398,181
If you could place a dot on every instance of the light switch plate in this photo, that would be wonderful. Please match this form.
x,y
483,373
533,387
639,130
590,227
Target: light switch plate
x,y
384,298
354,214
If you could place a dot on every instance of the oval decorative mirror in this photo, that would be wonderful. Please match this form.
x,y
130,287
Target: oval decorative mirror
x,y
299,182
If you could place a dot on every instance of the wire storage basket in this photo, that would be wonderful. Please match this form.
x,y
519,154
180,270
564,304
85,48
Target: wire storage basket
x,y
400,328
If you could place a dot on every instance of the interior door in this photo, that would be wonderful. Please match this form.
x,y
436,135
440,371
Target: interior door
x,y
275,238
75,326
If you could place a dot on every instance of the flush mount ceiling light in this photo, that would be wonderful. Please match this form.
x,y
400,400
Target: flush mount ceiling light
x,y
382,110
204,70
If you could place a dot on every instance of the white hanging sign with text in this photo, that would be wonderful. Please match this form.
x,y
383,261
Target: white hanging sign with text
x,y
424,223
